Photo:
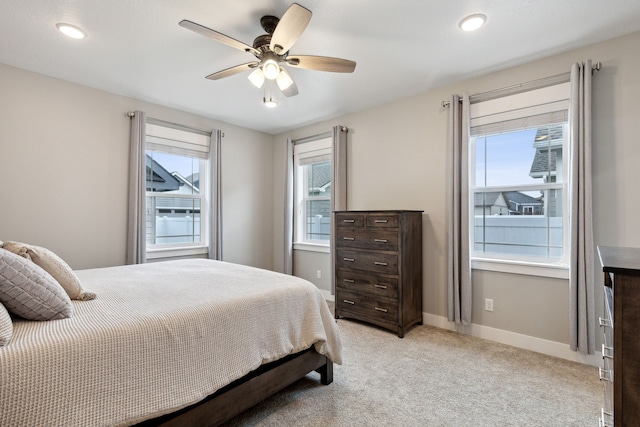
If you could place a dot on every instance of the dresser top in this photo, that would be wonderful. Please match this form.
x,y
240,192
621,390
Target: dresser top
x,y
618,259
375,211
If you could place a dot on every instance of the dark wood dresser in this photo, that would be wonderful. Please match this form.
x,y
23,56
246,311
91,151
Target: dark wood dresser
x,y
620,372
378,267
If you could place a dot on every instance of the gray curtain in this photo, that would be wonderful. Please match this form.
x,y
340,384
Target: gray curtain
x,y
136,232
581,283
215,193
338,185
288,210
457,213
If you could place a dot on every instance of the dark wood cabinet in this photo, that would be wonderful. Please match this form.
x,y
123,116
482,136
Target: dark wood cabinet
x,y
378,267
620,371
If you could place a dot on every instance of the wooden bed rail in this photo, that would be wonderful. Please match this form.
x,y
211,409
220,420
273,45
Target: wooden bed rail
x,y
246,392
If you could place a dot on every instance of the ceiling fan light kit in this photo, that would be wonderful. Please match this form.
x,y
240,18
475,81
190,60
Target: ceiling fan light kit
x,y
272,51
269,102
257,77
284,79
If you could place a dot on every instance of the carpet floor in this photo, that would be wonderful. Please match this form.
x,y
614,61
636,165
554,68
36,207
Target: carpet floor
x,y
435,377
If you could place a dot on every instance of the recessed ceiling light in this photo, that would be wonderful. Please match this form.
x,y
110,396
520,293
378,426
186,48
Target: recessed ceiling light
x,y
472,22
71,31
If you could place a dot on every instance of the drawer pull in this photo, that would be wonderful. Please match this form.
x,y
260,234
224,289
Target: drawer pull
x,y
380,286
349,259
605,375
380,240
605,323
349,220
384,264
346,301
384,310
348,238
381,221
607,352
349,280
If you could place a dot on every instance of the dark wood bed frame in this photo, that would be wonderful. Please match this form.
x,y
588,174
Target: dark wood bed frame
x,y
247,391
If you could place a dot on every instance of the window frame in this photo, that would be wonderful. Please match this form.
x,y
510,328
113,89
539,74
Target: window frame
x,y
493,113
170,142
306,150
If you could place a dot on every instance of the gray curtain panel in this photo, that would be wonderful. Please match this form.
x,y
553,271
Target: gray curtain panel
x,y
338,185
288,210
581,282
215,196
136,232
457,213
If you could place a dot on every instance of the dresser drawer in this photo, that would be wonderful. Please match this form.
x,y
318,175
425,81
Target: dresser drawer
x,y
362,282
382,220
367,305
368,261
384,240
344,220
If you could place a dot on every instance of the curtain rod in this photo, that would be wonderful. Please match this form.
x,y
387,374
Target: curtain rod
x,y
173,125
311,138
545,81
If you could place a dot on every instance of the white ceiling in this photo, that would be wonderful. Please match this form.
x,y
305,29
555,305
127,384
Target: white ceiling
x,y
402,47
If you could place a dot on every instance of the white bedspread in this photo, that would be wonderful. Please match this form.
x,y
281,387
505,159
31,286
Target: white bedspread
x,y
158,337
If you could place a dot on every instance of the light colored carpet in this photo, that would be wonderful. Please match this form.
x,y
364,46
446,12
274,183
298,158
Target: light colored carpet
x,y
434,377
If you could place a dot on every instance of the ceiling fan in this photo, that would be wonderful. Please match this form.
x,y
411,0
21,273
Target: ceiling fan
x,y
272,51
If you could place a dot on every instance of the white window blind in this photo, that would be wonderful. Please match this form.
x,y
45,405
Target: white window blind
x,y
544,106
173,140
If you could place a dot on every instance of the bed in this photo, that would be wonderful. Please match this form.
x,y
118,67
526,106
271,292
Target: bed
x,y
189,342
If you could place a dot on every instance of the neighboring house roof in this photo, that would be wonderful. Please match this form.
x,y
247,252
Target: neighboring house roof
x,y
485,199
512,200
521,198
158,178
186,187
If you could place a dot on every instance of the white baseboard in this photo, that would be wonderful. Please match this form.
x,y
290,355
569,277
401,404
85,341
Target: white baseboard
x,y
539,345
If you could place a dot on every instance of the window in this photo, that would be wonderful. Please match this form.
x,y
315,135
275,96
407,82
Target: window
x,y
312,163
518,180
176,177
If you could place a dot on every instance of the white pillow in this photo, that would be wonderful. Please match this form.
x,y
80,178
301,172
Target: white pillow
x,y
53,265
6,326
26,290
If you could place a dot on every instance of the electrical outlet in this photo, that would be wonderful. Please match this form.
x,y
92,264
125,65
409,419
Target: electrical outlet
x,y
488,304
319,274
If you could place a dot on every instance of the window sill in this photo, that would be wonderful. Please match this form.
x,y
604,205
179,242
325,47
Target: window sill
x,y
558,271
159,253
311,247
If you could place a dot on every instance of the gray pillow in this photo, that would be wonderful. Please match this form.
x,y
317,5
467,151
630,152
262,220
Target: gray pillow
x,y
55,266
6,326
26,290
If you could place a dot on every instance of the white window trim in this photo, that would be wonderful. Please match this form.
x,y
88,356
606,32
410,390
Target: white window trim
x,y
482,113
301,151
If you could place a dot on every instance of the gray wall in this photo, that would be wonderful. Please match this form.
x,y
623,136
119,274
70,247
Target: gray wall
x,y
396,160
63,167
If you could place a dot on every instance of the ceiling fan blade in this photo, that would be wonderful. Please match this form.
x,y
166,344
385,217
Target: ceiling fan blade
x,y
232,71
212,34
321,63
290,28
